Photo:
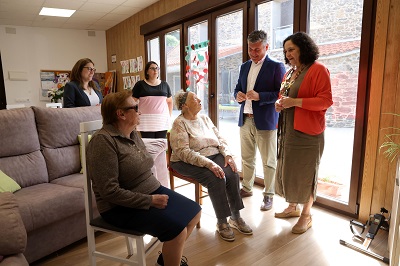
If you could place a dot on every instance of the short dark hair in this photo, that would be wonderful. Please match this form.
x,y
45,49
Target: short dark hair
x,y
309,51
146,68
257,36
111,103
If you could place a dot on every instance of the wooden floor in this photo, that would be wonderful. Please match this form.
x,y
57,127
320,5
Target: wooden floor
x,y
271,244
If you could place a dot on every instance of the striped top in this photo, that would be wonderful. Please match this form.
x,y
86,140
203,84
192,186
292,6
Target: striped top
x,y
153,106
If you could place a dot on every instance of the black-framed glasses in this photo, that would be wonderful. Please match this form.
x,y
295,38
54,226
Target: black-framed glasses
x,y
90,69
154,68
135,107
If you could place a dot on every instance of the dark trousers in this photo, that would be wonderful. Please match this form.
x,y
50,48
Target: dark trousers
x,y
224,193
154,135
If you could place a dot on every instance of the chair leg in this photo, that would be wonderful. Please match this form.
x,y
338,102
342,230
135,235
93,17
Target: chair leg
x,y
141,252
172,181
129,245
91,245
197,197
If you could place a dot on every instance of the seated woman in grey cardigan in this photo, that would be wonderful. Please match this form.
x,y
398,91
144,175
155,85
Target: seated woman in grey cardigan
x,y
82,90
200,152
127,193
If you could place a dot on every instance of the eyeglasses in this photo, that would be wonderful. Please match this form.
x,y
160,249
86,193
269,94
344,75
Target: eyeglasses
x,y
154,68
90,69
135,107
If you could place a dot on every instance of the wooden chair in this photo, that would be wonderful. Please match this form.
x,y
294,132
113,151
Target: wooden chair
x,y
134,257
198,193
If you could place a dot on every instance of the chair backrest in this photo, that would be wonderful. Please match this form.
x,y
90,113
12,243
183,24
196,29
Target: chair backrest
x,y
54,105
87,128
13,106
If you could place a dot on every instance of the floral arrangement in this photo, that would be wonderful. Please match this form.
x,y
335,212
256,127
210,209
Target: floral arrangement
x,y
56,94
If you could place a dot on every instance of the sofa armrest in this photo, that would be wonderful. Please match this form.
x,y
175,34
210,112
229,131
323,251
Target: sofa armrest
x,y
157,148
13,236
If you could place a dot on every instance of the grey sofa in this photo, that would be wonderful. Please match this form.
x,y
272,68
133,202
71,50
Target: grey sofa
x,y
40,151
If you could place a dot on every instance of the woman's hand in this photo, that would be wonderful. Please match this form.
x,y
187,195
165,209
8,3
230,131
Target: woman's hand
x,y
288,102
229,161
217,170
159,201
278,106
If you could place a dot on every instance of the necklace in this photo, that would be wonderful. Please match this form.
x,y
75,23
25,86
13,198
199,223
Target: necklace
x,y
285,85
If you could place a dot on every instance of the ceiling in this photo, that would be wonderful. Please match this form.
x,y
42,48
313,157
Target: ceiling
x,y
89,15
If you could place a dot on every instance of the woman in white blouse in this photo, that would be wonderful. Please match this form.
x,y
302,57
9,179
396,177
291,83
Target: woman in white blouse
x,y
200,152
82,90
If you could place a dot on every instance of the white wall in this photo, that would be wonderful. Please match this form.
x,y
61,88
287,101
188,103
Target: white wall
x,y
33,49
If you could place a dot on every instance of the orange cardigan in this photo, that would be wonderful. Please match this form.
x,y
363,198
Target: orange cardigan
x,y
316,92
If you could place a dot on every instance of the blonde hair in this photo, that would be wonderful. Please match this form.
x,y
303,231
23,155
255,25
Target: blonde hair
x,y
180,99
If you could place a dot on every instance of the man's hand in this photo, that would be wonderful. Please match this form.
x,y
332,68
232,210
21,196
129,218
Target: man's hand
x,y
240,97
253,95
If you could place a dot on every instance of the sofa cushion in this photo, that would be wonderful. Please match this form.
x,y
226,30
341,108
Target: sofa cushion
x,y
7,184
20,156
61,147
12,234
20,136
26,169
43,204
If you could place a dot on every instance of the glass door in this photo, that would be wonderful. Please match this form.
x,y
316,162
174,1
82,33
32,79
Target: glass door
x,y
197,61
340,51
229,58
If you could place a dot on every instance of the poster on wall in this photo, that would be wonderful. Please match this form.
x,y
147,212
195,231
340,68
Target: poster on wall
x,y
140,63
125,67
52,83
109,84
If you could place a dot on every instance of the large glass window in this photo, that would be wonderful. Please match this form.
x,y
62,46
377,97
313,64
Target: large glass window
x,y
335,26
229,58
173,64
154,50
197,62
276,19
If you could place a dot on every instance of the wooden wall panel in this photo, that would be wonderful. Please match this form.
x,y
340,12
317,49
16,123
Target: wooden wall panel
x,y
124,40
379,173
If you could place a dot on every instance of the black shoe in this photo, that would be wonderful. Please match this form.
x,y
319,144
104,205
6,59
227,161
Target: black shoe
x,y
160,260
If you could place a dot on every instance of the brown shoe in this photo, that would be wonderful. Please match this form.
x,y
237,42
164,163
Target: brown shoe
x,y
300,230
226,232
295,213
244,193
241,226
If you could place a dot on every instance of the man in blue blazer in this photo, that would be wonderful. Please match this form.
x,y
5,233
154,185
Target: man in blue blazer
x,y
257,90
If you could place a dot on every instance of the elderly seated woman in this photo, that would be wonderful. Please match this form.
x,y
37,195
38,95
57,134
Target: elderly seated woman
x,y
200,152
127,193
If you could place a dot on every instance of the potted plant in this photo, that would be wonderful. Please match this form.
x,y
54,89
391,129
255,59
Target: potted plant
x,y
390,146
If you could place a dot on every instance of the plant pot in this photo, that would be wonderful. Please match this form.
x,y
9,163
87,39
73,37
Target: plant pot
x,y
330,189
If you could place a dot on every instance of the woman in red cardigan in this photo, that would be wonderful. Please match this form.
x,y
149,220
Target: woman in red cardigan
x,y
305,96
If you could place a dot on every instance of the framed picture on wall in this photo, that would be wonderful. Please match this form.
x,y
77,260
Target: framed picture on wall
x,y
53,81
